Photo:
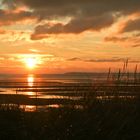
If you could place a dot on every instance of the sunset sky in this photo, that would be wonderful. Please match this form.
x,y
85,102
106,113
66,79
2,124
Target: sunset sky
x,y
58,36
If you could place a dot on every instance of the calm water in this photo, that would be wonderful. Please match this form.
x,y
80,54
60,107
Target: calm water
x,y
9,84
41,87
50,90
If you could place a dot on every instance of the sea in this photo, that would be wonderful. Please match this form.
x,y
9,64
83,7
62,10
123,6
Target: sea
x,y
38,92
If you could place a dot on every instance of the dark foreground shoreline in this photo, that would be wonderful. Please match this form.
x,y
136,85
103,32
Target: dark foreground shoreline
x,y
104,111
113,120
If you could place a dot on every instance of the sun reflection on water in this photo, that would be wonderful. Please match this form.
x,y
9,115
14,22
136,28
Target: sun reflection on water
x,y
30,80
30,93
28,108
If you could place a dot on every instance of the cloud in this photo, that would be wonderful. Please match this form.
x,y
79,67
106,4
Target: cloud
x,y
71,7
85,15
74,59
75,26
36,36
123,40
10,4
115,39
136,45
114,59
131,25
19,57
97,60
106,60
2,31
8,17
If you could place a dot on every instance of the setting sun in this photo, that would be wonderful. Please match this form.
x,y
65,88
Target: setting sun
x,y
30,62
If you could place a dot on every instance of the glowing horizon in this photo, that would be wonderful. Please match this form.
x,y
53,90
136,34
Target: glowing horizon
x,y
46,37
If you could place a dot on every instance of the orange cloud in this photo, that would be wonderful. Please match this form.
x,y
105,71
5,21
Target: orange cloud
x,y
2,31
9,17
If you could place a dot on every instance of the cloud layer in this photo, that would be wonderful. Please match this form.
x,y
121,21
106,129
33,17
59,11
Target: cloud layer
x,y
7,17
132,25
93,15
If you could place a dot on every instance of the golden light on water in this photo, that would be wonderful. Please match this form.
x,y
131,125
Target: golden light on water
x,y
28,108
30,80
30,93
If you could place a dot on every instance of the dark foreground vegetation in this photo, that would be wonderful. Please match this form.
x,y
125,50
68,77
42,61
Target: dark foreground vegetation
x,y
113,114
117,119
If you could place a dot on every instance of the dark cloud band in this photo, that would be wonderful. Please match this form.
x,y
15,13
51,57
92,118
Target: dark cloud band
x,y
85,14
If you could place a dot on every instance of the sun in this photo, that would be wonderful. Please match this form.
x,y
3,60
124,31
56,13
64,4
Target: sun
x,y
30,63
